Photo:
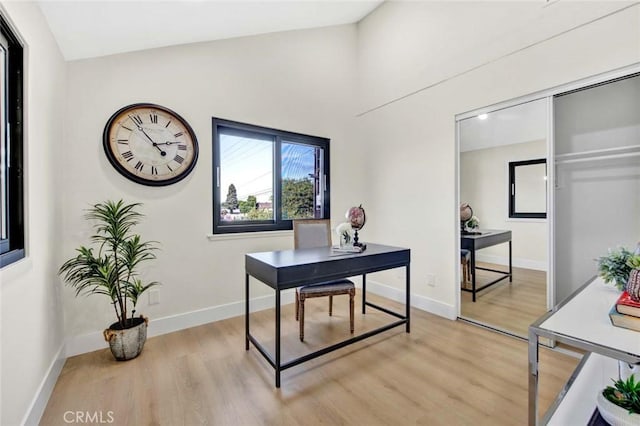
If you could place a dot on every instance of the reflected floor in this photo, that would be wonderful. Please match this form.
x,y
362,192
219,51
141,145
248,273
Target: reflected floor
x,y
507,306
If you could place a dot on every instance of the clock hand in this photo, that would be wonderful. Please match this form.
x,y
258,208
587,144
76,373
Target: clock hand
x,y
163,153
168,143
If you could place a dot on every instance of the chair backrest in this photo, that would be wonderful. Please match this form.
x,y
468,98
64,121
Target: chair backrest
x,y
309,233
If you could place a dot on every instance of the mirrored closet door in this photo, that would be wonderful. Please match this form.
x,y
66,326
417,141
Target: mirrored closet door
x,y
503,180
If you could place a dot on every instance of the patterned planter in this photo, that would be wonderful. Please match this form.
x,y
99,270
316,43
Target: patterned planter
x,y
633,285
128,343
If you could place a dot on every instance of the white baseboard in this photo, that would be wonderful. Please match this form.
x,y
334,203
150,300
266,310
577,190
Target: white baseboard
x,y
93,341
417,301
516,262
41,398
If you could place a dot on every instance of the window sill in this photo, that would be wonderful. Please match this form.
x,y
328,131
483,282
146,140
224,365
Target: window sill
x,y
249,235
526,219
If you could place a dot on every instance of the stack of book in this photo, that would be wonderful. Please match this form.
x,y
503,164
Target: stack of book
x,y
626,312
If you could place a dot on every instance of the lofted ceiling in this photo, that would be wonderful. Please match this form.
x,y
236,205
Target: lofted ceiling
x,y
86,29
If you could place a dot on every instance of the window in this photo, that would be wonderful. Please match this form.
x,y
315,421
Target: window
x,y
528,189
264,178
11,150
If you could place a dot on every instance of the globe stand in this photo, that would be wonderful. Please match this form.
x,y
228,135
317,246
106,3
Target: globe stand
x,y
357,243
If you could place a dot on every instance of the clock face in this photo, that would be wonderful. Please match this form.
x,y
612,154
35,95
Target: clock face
x,y
150,144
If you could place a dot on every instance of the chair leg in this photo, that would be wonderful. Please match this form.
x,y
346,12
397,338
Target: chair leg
x,y
352,295
464,274
330,305
301,317
297,305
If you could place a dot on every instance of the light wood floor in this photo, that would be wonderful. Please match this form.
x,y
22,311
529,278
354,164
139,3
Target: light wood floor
x,y
442,373
508,306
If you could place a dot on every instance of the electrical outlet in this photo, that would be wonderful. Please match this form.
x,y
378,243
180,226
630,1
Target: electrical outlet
x,y
431,280
154,297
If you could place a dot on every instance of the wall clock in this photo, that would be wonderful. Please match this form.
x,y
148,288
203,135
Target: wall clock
x,y
150,144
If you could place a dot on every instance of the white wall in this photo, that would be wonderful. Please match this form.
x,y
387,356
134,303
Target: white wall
x,y
410,135
31,308
301,81
484,177
597,201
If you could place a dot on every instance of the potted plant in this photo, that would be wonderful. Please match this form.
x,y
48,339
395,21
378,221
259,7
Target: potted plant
x,y
620,404
614,267
112,270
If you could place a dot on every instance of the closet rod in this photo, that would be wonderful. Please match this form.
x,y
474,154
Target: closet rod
x,y
599,151
601,157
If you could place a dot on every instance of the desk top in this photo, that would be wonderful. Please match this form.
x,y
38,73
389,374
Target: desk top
x,y
291,268
486,233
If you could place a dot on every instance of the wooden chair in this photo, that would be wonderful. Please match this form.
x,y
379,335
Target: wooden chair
x,y
465,261
308,233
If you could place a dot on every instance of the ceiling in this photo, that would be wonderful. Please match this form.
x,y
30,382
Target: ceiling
x,y
517,124
86,29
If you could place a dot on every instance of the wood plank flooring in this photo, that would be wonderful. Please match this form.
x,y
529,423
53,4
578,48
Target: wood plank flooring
x,y
507,306
442,373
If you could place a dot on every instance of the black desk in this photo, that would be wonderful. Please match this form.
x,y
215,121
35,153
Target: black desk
x,y
486,238
282,270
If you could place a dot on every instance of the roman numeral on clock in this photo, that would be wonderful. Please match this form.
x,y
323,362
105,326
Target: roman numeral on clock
x,y
182,147
136,119
128,155
177,135
123,141
178,159
154,118
139,165
154,171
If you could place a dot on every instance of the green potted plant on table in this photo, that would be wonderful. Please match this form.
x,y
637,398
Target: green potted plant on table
x,y
112,270
620,404
614,267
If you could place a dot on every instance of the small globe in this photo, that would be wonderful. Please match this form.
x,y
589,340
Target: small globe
x,y
356,217
466,212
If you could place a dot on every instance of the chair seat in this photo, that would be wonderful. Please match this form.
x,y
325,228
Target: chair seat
x,y
465,254
327,287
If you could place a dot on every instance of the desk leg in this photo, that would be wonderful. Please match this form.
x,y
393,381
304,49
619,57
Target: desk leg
x,y
278,364
408,301
473,274
533,378
510,264
364,292
246,311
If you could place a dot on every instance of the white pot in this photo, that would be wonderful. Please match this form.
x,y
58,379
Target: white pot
x,y
614,415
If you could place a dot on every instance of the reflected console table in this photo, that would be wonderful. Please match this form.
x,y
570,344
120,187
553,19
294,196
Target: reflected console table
x,y
482,239
582,321
282,270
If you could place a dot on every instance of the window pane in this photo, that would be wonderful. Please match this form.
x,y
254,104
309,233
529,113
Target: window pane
x,y
531,188
246,177
301,181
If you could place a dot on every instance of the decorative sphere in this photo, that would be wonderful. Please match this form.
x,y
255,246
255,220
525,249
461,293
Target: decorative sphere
x,y
356,217
466,212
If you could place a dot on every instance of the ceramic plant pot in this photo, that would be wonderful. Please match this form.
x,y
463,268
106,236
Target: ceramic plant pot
x,y
615,415
633,285
127,343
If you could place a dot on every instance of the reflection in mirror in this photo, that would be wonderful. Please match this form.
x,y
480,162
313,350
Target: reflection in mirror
x,y
528,189
488,145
